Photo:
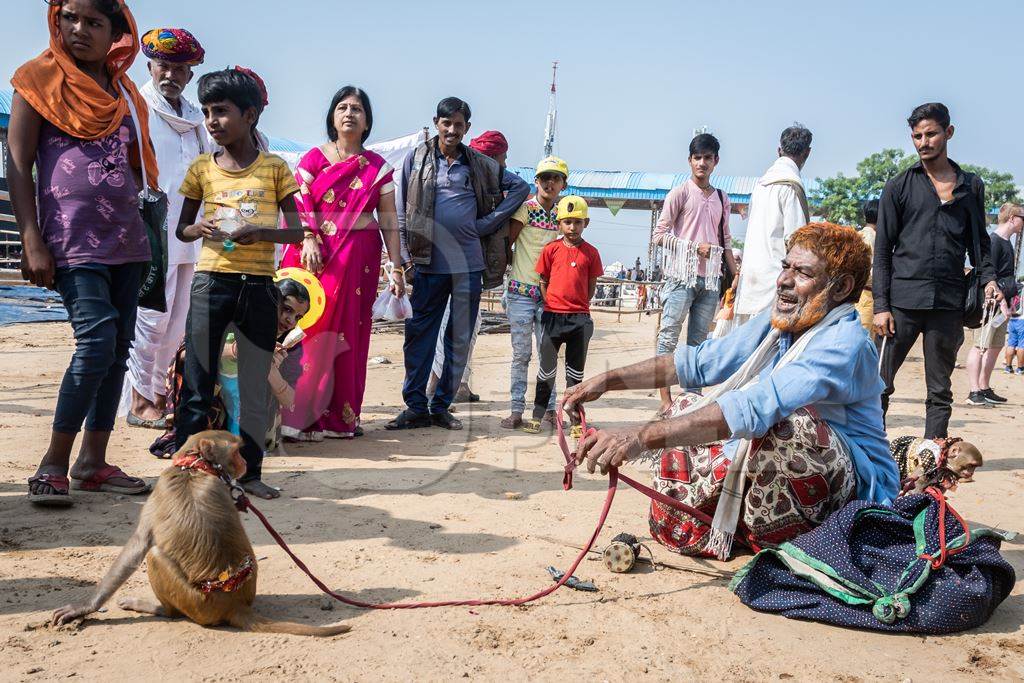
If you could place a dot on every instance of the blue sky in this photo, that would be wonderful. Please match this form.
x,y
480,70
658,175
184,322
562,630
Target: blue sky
x,y
634,80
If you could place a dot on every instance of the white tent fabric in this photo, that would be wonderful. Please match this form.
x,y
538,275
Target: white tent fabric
x,y
394,150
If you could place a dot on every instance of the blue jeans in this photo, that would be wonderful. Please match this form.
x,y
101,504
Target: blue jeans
x,y
430,293
102,302
246,305
680,302
524,316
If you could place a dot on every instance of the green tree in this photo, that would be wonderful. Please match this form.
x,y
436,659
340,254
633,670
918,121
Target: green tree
x,y
839,198
999,187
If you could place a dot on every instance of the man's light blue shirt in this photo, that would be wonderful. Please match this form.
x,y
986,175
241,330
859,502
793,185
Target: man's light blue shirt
x,y
837,374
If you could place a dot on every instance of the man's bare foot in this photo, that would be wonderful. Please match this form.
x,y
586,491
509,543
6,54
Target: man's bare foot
x,y
143,408
257,488
549,418
664,408
513,421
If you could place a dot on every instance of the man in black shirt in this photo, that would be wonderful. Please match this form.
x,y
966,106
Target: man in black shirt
x,y
990,338
928,218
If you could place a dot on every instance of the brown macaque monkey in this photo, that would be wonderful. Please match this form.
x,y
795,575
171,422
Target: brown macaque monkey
x,y
918,462
961,461
199,560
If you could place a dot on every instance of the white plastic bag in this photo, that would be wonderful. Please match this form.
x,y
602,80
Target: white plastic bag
x,y
390,307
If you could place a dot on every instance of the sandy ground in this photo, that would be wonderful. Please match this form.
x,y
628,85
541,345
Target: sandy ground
x,y
429,515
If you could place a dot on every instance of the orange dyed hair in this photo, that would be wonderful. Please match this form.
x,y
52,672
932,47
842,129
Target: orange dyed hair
x,y
842,248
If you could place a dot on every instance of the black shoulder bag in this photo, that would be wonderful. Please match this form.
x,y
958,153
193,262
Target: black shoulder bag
x,y
974,303
153,209
725,283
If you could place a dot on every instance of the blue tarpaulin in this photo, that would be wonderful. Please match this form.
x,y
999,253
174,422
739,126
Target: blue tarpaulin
x,y
22,304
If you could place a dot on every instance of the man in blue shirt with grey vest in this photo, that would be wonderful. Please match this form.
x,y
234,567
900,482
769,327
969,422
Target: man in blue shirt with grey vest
x,y
453,220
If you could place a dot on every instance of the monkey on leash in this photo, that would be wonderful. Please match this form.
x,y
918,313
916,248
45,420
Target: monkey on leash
x,y
199,560
941,463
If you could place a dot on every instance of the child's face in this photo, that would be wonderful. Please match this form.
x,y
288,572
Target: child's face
x,y
550,185
85,31
289,313
572,228
226,123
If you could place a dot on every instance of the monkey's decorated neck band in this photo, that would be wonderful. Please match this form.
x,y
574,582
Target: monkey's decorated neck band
x,y
944,446
194,461
227,582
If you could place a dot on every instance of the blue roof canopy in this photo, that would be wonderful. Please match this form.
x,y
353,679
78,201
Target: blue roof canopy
x,y
5,107
639,189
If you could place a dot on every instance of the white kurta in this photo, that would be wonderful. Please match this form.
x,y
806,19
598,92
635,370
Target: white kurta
x,y
177,140
776,211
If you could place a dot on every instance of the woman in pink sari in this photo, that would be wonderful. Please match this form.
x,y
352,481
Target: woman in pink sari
x,y
341,185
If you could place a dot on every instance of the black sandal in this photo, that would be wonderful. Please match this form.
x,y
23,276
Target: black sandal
x,y
407,419
446,420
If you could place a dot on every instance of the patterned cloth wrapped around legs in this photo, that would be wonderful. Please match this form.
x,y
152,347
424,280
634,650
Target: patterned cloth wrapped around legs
x,y
798,474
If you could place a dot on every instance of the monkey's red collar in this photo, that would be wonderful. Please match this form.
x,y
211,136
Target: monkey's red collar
x,y
228,582
194,461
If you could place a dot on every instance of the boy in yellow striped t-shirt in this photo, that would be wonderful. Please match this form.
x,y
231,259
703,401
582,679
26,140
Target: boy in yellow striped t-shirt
x,y
233,289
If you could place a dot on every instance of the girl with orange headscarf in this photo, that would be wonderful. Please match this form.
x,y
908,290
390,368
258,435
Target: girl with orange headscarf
x,y
80,225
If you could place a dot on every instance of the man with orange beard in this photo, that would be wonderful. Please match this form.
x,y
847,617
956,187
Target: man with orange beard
x,y
792,430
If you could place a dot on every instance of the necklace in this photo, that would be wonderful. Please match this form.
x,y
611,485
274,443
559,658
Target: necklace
x,y
572,255
341,157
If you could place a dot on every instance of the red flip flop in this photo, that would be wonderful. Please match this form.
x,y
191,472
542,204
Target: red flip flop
x,y
59,498
100,482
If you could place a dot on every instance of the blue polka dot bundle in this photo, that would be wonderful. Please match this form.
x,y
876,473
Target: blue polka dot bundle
x,y
912,567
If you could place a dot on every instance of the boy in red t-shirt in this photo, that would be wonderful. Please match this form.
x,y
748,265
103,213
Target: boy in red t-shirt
x,y
568,269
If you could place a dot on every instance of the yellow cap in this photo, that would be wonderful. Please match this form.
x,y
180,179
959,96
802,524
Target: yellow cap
x,y
553,165
572,206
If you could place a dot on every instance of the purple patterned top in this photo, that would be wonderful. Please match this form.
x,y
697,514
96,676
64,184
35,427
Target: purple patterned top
x,y
88,198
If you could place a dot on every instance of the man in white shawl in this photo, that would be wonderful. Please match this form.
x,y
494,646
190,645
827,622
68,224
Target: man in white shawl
x,y
778,206
178,135
792,430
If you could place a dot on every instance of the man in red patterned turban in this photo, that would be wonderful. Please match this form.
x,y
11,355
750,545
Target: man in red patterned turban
x,y
176,130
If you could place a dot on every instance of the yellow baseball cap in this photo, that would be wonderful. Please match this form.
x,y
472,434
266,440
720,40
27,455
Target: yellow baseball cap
x,y
553,165
572,206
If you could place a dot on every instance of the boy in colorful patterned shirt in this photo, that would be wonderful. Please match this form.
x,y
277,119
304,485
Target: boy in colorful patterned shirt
x,y
242,189
531,228
568,269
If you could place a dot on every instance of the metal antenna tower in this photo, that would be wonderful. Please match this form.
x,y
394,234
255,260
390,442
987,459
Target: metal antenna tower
x,y
549,129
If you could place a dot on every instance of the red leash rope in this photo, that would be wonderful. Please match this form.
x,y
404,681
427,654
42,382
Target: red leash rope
x,y
244,504
944,551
